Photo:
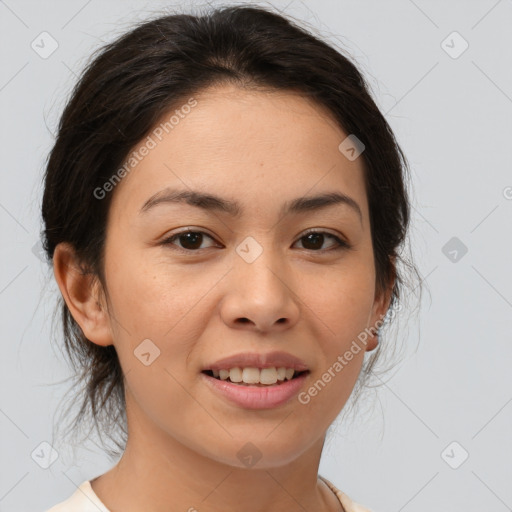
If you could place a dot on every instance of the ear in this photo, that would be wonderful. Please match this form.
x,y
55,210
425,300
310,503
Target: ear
x,y
380,308
83,294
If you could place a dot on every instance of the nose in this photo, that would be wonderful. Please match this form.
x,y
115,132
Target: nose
x,y
260,296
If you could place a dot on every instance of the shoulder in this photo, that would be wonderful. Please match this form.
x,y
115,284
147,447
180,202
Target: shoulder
x,y
82,500
348,504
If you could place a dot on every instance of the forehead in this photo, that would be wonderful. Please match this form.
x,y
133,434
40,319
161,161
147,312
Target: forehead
x,y
261,147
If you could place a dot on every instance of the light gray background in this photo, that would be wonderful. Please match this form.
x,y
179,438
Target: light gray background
x,y
452,117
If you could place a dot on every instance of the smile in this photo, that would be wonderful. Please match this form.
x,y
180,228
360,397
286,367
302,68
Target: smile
x,y
255,376
255,394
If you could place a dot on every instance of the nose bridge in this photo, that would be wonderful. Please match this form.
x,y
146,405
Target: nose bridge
x,y
260,266
259,291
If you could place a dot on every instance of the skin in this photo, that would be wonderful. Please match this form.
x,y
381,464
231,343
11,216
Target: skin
x,y
183,438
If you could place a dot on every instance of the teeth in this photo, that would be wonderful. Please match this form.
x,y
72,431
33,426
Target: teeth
x,y
266,376
269,376
235,375
250,375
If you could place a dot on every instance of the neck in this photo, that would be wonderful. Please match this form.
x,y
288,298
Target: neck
x,y
158,472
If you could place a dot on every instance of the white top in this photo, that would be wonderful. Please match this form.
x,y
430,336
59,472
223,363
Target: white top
x,y
84,499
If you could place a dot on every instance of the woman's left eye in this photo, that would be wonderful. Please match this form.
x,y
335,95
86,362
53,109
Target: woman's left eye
x,y
191,240
316,238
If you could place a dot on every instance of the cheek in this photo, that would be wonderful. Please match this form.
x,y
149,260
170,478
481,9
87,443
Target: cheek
x,y
156,301
343,300
152,296
341,309
344,310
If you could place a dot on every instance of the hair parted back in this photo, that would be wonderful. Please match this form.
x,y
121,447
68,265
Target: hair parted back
x,y
126,88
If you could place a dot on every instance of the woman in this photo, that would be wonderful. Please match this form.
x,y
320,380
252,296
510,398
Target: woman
x,y
223,206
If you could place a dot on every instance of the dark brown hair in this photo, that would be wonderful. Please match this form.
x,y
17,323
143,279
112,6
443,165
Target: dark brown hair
x,y
122,94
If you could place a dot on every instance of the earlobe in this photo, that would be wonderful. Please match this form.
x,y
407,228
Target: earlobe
x,y
377,320
82,293
381,306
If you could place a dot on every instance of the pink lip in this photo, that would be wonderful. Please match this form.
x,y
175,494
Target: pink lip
x,y
255,397
254,360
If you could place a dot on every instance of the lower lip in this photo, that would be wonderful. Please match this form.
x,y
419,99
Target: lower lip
x,y
256,397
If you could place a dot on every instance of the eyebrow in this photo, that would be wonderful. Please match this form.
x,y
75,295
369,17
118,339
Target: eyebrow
x,y
211,202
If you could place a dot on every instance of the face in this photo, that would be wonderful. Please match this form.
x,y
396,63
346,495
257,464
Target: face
x,y
252,280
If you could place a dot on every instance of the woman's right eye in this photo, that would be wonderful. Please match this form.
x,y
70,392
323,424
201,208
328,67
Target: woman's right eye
x,y
190,240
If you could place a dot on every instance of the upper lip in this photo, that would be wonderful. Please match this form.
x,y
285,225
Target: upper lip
x,y
255,360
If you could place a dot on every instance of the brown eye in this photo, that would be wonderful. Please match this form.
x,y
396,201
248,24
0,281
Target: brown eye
x,y
314,241
189,240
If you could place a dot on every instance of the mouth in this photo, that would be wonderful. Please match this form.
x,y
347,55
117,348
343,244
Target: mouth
x,y
256,377
255,388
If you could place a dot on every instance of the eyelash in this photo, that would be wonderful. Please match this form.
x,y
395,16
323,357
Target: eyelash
x,y
342,244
